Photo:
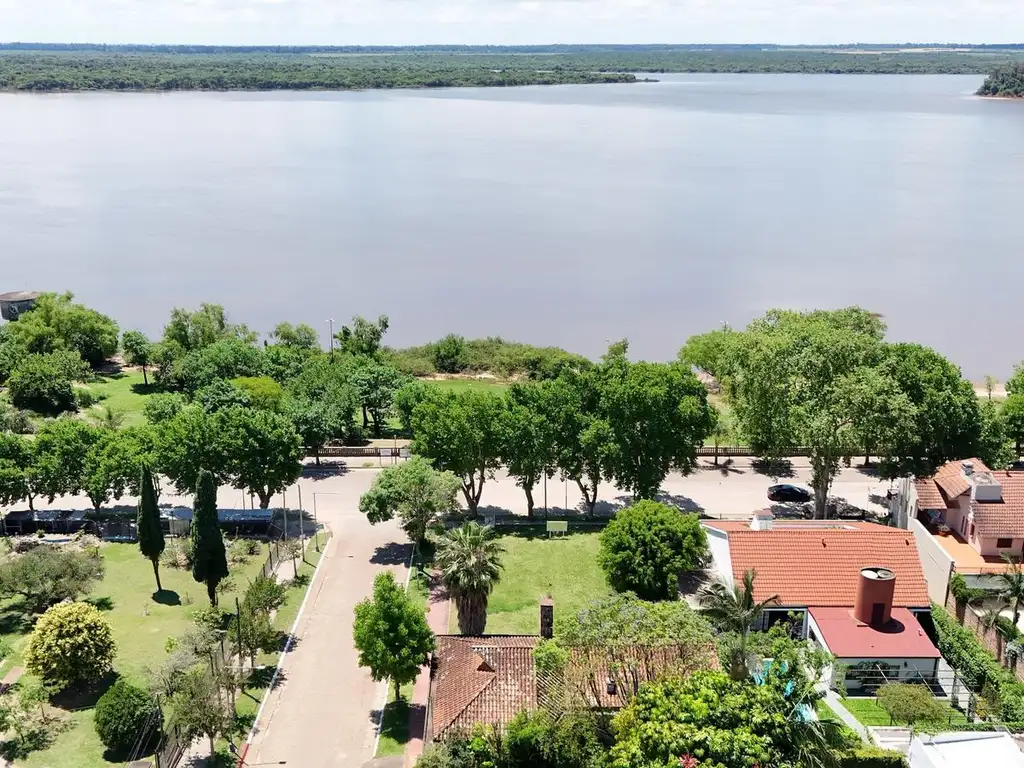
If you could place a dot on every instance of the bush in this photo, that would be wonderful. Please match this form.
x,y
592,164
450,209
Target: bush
x,y
264,595
177,554
72,643
963,593
872,757
15,420
965,653
44,383
221,395
163,406
45,575
449,354
125,716
263,391
86,398
238,552
647,546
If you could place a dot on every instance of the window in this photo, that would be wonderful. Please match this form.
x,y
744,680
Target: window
x,y
1004,543
972,530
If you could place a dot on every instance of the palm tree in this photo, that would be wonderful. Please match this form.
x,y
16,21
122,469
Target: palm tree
x,y
734,610
1012,586
469,561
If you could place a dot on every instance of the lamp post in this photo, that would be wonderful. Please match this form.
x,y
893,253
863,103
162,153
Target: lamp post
x,y
330,340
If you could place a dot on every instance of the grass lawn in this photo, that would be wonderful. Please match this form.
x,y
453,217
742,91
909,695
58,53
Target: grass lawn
x,y
465,385
563,566
124,392
141,622
825,712
868,712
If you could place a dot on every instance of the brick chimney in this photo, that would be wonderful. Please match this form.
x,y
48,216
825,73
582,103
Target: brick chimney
x,y
547,618
875,591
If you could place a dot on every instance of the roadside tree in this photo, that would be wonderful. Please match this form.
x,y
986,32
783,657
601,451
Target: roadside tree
x,y
418,494
262,451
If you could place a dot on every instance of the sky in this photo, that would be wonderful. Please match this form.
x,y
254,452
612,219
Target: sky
x,y
409,22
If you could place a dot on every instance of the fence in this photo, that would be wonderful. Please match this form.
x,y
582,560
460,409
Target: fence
x,y
372,452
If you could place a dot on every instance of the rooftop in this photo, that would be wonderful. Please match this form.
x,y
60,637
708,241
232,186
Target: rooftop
x,y
967,558
819,562
19,296
965,750
848,638
999,518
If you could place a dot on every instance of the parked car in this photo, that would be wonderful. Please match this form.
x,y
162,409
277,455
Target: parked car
x,y
788,493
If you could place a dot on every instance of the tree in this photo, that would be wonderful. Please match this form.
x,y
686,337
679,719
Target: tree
x,y
529,436
375,384
225,359
461,432
418,494
315,422
1011,586
206,548
188,442
262,451
993,442
46,575
71,643
45,383
16,455
197,707
219,395
163,406
363,337
56,323
449,354
61,451
151,533
909,704
658,415
254,632
126,717
1013,421
734,610
646,547
299,336
263,391
329,387
202,327
113,463
138,350
391,634
469,561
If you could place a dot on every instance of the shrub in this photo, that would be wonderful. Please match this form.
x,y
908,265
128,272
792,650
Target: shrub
x,y
176,554
872,757
71,643
449,354
238,552
15,420
220,395
963,593
209,619
86,398
163,406
44,383
965,654
648,545
46,575
264,595
263,391
125,716
908,703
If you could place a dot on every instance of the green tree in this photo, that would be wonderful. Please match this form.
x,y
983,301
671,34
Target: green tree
x,y
225,359
263,391
16,457
299,336
56,323
197,707
375,384
449,354
734,610
646,547
163,406
658,415
363,337
253,631
187,443
262,451
46,575
206,548
45,383
138,350
151,533
469,561
220,395
125,717
61,450
993,442
113,463
327,385
1011,586
391,634
1013,421
191,330
909,704
315,422
418,494
529,436
71,643
461,432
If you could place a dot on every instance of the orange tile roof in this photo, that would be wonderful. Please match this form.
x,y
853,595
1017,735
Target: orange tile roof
x,y
950,477
807,566
928,495
1002,519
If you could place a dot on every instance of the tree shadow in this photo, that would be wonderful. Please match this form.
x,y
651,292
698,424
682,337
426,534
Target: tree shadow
x,y
16,622
145,389
261,677
682,503
36,738
100,603
493,511
773,467
725,467
288,642
391,554
137,752
870,470
84,695
166,597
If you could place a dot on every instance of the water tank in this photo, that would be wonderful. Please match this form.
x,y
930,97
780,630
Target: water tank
x,y
875,590
13,305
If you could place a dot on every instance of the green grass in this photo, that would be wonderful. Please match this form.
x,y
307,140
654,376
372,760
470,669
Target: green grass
x,y
534,566
394,727
868,712
467,385
826,713
124,392
141,625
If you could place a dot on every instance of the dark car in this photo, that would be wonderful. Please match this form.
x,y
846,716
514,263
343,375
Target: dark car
x,y
788,493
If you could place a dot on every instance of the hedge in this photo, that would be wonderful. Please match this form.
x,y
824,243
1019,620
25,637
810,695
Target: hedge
x,y
873,757
963,593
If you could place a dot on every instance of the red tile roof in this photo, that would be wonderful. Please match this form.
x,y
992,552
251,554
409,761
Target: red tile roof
x,y
848,638
941,489
807,564
1002,519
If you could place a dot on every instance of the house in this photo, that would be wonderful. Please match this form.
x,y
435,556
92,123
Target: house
x,y
489,679
965,750
854,588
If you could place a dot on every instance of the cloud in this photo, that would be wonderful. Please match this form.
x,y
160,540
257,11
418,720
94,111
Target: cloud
x,y
510,21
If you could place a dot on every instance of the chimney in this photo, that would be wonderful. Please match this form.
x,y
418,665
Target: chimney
x,y
547,618
762,520
968,468
874,596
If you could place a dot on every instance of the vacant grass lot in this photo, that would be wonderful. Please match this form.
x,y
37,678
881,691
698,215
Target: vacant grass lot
x,y
124,392
141,622
564,567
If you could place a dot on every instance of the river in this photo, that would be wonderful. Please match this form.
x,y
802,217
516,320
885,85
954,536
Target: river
x,y
563,215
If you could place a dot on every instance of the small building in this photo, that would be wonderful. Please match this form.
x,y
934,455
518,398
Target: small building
x,y
965,750
854,588
13,305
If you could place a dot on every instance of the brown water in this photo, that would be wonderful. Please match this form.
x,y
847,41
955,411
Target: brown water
x,y
565,215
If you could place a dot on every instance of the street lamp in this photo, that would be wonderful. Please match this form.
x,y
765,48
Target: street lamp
x,y
330,341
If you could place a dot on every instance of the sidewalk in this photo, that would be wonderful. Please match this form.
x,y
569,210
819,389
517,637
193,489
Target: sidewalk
x,y
836,703
438,610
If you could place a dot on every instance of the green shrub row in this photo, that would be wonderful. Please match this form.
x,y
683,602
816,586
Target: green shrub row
x,y
872,757
963,593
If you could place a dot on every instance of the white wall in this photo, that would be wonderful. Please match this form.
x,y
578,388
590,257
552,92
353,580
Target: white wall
x,y
721,560
935,561
910,669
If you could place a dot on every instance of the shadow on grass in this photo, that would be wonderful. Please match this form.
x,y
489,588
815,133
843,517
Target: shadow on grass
x,y
395,722
34,738
100,603
166,597
16,622
84,695
144,389
137,752
260,679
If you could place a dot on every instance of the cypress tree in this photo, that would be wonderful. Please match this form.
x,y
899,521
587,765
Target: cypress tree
x,y
209,561
151,535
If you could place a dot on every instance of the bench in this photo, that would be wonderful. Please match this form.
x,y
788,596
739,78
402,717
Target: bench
x,y
558,526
